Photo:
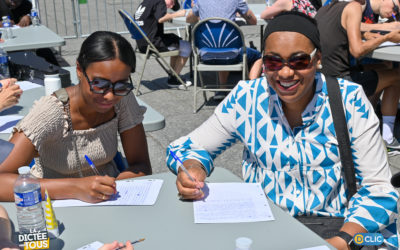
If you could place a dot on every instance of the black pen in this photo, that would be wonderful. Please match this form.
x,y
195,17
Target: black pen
x,y
132,242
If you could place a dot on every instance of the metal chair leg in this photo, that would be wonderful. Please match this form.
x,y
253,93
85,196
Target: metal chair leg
x,y
141,74
195,91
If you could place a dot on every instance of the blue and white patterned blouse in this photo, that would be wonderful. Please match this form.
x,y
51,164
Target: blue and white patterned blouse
x,y
300,168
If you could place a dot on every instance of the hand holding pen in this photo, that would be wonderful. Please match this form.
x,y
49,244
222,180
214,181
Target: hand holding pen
x,y
190,179
99,187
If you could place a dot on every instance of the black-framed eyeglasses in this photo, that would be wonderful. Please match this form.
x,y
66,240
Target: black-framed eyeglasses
x,y
297,61
395,9
101,86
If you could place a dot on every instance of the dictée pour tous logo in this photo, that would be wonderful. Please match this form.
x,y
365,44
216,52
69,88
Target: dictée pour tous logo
x,y
368,239
34,240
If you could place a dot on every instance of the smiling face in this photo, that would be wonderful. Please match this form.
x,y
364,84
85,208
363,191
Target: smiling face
x,y
112,70
294,87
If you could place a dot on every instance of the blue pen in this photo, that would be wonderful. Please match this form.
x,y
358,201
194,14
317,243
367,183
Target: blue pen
x,y
92,165
181,166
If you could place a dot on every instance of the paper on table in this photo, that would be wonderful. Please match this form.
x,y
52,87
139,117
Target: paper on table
x,y
25,85
92,246
7,122
316,248
388,44
129,192
232,203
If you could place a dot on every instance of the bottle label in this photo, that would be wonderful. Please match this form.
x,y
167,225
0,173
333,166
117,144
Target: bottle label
x,y
28,199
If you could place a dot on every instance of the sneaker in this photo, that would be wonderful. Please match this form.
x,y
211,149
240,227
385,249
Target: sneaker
x,y
173,82
220,95
393,148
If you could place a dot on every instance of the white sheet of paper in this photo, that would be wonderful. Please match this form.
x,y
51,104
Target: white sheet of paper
x,y
129,192
232,203
323,247
388,44
7,122
92,246
25,85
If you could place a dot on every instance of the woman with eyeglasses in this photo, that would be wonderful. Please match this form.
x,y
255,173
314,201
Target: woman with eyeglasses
x,y
85,119
285,122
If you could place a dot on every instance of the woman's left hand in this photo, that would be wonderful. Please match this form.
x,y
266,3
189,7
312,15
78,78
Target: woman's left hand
x,y
9,96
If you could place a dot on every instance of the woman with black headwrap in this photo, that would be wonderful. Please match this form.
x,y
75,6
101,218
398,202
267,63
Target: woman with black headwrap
x,y
286,124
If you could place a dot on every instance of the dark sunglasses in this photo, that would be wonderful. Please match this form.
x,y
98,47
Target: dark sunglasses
x,y
101,86
297,61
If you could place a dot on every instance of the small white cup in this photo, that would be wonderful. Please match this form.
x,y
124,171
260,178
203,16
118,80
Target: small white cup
x,y
51,84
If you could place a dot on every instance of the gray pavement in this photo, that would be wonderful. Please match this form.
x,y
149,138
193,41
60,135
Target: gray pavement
x,y
176,106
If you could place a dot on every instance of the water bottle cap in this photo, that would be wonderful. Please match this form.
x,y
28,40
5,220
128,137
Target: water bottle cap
x,y
24,170
243,242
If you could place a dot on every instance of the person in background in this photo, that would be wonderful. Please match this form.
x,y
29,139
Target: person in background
x,y
340,39
18,11
285,122
83,119
228,9
151,16
303,6
373,9
9,93
5,232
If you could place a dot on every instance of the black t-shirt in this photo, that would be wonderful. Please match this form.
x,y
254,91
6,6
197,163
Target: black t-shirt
x,y
16,14
147,15
20,11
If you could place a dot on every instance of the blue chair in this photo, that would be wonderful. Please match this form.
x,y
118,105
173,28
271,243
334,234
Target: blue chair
x,y
218,45
186,4
137,33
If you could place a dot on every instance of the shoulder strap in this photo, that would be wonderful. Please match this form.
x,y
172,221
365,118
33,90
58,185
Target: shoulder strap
x,y
62,95
342,134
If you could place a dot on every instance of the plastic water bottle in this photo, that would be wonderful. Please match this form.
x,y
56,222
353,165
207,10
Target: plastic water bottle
x,y
243,243
4,71
28,200
34,17
7,32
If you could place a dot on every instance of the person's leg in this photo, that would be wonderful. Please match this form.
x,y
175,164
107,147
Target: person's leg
x,y
389,81
179,62
172,62
223,79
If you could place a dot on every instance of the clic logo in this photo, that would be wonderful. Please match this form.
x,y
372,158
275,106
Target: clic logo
x,y
368,239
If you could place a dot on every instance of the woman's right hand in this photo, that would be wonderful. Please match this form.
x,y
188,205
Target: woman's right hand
x,y
95,189
9,95
188,189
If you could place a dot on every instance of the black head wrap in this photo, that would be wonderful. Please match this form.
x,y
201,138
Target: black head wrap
x,y
295,22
